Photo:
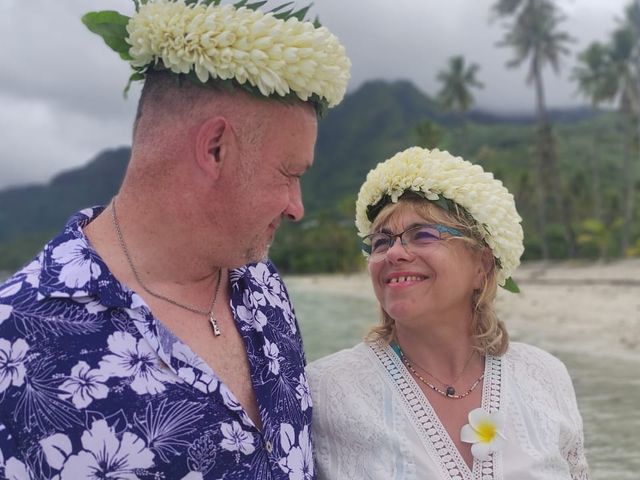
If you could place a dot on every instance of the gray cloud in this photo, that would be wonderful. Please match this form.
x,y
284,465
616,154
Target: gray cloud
x,y
61,87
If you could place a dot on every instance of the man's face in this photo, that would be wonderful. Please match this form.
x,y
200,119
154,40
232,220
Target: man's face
x,y
269,187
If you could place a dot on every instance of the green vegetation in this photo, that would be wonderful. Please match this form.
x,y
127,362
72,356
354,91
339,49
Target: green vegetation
x,y
535,38
574,173
374,123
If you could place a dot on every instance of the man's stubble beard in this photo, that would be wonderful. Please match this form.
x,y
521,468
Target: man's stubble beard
x,y
256,253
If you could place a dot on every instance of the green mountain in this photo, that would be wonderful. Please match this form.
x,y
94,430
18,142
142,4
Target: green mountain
x,y
33,209
373,122
370,125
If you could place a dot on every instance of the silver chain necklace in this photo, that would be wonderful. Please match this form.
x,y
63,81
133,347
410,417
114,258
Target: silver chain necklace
x,y
207,313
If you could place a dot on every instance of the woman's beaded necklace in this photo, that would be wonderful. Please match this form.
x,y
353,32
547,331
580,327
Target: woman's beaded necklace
x,y
450,391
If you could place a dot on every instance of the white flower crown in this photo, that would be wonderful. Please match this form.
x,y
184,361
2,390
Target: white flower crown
x,y
434,174
265,53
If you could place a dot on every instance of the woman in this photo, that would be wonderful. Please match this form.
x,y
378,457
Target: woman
x,y
437,391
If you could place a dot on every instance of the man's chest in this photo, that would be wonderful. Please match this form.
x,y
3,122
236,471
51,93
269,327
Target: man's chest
x,y
225,355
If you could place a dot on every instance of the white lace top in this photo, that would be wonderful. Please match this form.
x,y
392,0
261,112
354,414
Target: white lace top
x,y
372,421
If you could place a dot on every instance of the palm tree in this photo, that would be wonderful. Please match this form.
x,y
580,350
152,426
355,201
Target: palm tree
x,y
429,134
625,93
535,38
455,94
595,81
631,23
611,73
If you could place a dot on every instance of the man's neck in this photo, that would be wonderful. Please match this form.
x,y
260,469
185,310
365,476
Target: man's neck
x,y
162,260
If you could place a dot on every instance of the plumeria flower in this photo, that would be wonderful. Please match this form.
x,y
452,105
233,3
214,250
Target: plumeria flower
x,y
485,431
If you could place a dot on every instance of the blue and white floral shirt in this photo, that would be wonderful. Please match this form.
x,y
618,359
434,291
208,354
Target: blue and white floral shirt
x,y
93,386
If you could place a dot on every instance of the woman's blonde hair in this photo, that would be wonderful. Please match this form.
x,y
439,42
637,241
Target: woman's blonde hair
x,y
489,332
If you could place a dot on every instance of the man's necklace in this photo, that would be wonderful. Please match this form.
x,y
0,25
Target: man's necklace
x,y
450,391
207,313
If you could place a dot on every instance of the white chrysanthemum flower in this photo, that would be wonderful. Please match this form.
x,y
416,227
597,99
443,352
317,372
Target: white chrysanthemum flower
x,y
222,42
435,173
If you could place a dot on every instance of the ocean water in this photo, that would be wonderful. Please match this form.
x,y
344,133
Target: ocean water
x,y
607,386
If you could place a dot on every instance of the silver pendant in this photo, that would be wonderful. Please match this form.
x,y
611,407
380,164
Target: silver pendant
x,y
214,324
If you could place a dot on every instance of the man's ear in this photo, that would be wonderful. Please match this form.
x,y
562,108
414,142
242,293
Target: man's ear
x,y
214,141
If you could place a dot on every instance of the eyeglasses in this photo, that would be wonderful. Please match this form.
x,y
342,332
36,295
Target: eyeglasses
x,y
376,245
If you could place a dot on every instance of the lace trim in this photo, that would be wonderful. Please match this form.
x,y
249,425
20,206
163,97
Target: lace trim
x,y
434,437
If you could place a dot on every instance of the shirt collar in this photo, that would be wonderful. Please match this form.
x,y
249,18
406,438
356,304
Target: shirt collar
x,y
71,268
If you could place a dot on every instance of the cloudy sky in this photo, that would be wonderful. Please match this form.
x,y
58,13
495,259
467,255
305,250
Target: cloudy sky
x,y
61,87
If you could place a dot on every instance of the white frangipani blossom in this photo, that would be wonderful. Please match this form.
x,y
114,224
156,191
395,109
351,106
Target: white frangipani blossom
x,y
485,431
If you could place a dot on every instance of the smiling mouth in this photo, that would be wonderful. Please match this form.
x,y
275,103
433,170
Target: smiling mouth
x,y
407,278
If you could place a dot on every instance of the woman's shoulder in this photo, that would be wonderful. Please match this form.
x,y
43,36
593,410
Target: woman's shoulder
x,y
336,362
346,368
519,350
522,356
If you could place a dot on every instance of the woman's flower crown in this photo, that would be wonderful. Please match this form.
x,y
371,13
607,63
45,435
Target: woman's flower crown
x,y
437,175
274,53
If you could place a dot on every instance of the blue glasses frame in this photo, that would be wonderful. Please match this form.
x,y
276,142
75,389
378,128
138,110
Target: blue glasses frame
x,y
391,237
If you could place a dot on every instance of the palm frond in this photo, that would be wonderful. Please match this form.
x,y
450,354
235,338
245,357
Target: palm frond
x,y
40,406
164,426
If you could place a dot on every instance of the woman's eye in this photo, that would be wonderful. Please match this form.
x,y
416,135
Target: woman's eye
x,y
426,235
378,243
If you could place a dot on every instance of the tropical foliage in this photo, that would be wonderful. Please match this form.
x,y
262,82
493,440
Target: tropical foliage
x,y
610,73
535,37
593,151
456,84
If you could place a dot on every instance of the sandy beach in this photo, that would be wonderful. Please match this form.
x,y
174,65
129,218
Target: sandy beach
x,y
592,306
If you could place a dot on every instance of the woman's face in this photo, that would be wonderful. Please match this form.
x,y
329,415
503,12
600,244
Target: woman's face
x,y
434,283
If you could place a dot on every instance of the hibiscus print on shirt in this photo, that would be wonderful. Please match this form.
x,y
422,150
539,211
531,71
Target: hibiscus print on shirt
x,y
78,262
12,367
104,455
135,359
84,385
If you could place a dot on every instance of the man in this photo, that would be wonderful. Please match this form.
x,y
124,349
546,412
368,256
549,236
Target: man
x,y
151,339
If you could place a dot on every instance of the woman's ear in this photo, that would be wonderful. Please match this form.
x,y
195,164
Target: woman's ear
x,y
214,142
485,266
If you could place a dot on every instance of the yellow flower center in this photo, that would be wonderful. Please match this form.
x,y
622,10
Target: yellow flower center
x,y
486,431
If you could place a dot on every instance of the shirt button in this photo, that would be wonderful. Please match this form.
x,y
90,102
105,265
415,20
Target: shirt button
x,y
268,446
